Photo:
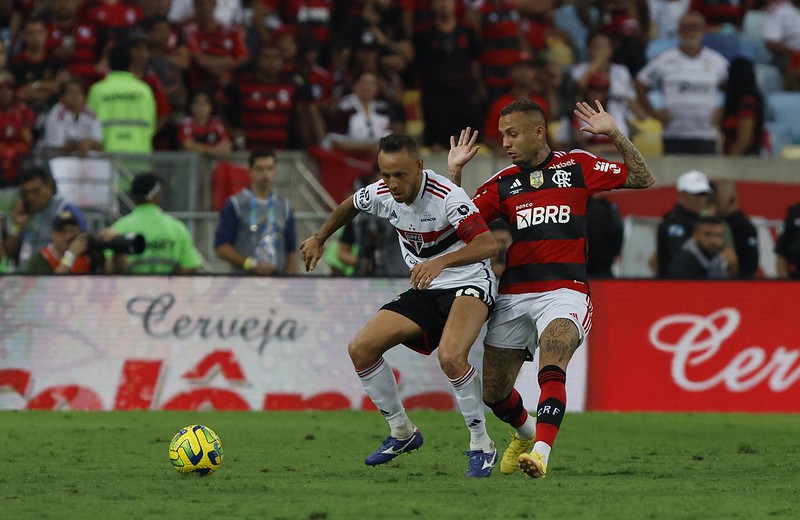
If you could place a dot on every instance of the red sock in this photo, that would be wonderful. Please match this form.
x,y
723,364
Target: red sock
x,y
552,402
510,410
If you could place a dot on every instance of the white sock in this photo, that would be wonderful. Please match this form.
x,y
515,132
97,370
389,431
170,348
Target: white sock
x,y
543,449
467,389
381,387
527,430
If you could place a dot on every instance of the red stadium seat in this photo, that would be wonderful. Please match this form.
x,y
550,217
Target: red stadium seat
x,y
228,178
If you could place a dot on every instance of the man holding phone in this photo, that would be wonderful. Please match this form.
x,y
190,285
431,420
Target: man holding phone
x,y
32,218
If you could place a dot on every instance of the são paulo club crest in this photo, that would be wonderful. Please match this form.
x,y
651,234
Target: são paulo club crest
x,y
416,240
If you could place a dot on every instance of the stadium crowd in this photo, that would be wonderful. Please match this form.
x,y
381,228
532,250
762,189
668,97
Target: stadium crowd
x,y
332,78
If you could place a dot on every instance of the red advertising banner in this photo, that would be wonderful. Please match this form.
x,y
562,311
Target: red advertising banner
x,y
694,346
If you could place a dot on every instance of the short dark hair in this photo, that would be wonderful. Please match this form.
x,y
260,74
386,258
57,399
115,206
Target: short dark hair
x,y
119,57
712,220
73,80
36,172
396,142
258,154
144,187
523,105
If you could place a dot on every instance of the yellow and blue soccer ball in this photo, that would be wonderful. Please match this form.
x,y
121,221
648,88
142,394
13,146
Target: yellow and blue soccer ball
x,y
195,449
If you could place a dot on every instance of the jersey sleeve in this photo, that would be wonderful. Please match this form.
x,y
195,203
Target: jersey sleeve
x,y
464,215
601,174
367,199
487,200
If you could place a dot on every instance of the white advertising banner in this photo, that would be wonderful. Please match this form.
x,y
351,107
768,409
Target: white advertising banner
x,y
195,343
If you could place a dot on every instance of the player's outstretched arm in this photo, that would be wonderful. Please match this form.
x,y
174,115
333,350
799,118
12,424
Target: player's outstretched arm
x,y
313,247
598,121
461,153
479,248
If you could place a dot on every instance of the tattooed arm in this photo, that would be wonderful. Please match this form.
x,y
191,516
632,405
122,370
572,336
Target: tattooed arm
x,y
639,174
599,122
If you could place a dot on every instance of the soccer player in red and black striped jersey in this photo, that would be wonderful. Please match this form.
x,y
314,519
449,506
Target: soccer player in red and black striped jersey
x,y
543,196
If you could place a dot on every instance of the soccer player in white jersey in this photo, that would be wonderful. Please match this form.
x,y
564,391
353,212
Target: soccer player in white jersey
x,y
446,244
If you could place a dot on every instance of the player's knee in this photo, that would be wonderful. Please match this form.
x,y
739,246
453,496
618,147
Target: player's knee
x,y
361,353
453,363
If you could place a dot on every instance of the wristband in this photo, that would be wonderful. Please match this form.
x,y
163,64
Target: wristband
x,y
68,260
249,263
14,229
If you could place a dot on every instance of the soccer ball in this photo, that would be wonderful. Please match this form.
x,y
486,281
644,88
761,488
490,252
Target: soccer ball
x,y
195,449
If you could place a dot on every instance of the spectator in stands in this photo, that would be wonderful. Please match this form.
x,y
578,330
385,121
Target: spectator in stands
x,y
70,126
782,37
665,15
787,249
501,232
627,22
140,68
743,113
33,216
269,110
226,12
77,43
202,131
310,18
66,252
158,8
677,226
360,120
216,50
453,93
115,18
502,36
376,26
604,233
39,77
125,106
169,247
16,120
743,234
256,232
523,75
168,60
689,77
570,135
700,256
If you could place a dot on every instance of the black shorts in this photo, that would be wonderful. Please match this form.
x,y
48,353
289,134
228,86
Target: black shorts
x,y
429,309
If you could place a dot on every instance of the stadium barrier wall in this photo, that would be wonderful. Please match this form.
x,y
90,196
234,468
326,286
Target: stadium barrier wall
x,y
694,346
196,343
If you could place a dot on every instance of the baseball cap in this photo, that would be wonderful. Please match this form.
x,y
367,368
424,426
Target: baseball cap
x,y
146,186
64,219
694,182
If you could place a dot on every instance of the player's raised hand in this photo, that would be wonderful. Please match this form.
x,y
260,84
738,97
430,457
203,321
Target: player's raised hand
x,y
461,152
598,121
312,249
422,275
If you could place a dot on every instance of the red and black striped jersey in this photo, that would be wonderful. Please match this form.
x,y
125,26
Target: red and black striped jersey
x,y
110,14
500,38
211,133
545,207
265,111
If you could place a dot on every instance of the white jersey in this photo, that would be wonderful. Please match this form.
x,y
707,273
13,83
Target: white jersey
x,y
431,226
690,87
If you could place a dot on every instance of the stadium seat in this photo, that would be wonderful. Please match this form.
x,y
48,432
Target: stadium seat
x,y
753,25
659,45
413,110
784,108
647,135
791,152
778,138
754,50
769,78
727,44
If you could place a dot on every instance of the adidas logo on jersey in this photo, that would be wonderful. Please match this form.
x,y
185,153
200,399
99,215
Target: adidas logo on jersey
x,y
515,187
393,215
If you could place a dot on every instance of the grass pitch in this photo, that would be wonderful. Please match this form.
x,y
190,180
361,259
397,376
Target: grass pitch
x,y
301,465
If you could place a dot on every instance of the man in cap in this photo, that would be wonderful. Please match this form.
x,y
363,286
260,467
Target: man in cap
x,y
169,247
677,226
66,252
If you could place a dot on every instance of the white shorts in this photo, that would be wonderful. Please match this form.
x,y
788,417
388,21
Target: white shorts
x,y
518,318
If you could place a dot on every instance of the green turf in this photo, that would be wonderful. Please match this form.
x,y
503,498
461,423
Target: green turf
x,y
310,465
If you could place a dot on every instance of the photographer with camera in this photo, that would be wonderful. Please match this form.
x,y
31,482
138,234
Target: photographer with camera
x,y
152,242
66,253
29,228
